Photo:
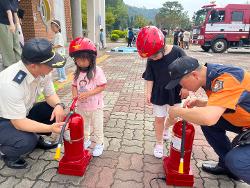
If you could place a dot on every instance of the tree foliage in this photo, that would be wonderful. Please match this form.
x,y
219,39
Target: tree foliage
x,y
172,15
84,13
110,20
148,14
140,21
120,13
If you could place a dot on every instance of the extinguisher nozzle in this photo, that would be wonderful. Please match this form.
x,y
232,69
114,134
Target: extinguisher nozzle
x,y
58,152
181,166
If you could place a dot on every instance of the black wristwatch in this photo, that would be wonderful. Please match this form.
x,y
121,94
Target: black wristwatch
x,y
61,104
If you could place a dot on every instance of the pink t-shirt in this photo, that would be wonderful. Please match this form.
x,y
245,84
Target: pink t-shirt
x,y
83,84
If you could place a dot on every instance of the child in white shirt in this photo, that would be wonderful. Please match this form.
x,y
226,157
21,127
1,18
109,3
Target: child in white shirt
x,y
58,46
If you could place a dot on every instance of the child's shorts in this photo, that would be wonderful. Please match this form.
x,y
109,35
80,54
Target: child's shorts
x,y
162,111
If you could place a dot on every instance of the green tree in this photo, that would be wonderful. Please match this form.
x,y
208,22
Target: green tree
x,y
110,20
119,11
140,21
172,15
84,13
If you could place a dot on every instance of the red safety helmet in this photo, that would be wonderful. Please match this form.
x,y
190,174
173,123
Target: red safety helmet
x,y
81,44
149,41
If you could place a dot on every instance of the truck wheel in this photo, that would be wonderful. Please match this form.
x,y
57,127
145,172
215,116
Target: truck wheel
x,y
219,46
205,48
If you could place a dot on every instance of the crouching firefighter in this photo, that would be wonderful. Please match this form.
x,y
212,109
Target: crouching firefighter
x,y
227,109
20,118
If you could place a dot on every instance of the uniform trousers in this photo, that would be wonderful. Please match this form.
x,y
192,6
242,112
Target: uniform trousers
x,y
15,143
237,159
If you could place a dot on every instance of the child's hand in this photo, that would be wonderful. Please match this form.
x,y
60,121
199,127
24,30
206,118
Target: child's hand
x,y
12,28
190,103
184,93
83,95
149,98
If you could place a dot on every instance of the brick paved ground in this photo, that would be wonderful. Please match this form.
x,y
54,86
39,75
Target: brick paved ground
x,y
129,137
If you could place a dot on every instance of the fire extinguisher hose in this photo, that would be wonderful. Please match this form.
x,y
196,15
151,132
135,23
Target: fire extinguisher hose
x,y
58,149
183,138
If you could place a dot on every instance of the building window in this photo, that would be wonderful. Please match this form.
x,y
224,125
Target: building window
x,y
216,16
237,16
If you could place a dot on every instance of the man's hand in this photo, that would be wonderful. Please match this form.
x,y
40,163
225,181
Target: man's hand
x,y
12,28
58,113
57,127
194,102
184,93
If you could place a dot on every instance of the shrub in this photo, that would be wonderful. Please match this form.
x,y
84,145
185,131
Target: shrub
x,y
114,37
121,34
124,34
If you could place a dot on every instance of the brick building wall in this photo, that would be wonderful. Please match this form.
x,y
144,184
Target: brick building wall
x,y
68,19
33,25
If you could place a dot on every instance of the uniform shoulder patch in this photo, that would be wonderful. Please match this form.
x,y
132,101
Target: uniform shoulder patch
x,y
218,85
20,76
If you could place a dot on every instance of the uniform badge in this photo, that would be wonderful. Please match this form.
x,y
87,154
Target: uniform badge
x,y
58,64
217,86
20,77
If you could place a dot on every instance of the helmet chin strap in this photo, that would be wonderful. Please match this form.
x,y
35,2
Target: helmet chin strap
x,y
84,69
162,51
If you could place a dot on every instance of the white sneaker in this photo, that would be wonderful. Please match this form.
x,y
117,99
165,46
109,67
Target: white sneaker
x,y
87,143
158,151
62,80
166,134
98,149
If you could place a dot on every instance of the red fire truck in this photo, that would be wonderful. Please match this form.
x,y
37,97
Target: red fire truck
x,y
222,28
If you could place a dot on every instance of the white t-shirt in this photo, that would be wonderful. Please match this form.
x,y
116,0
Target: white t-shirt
x,y
19,89
58,40
186,36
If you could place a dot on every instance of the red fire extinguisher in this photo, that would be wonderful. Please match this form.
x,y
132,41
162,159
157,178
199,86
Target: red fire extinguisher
x,y
177,164
76,158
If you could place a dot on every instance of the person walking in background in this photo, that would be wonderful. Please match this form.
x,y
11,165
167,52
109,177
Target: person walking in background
x,y
130,37
58,46
9,40
88,84
186,39
165,33
176,34
160,56
180,38
102,38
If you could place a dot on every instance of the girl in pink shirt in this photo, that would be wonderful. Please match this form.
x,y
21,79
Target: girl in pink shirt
x,y
88,84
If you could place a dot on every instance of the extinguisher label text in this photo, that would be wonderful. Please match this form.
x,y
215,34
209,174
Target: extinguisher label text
x,y
176,143
67,135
